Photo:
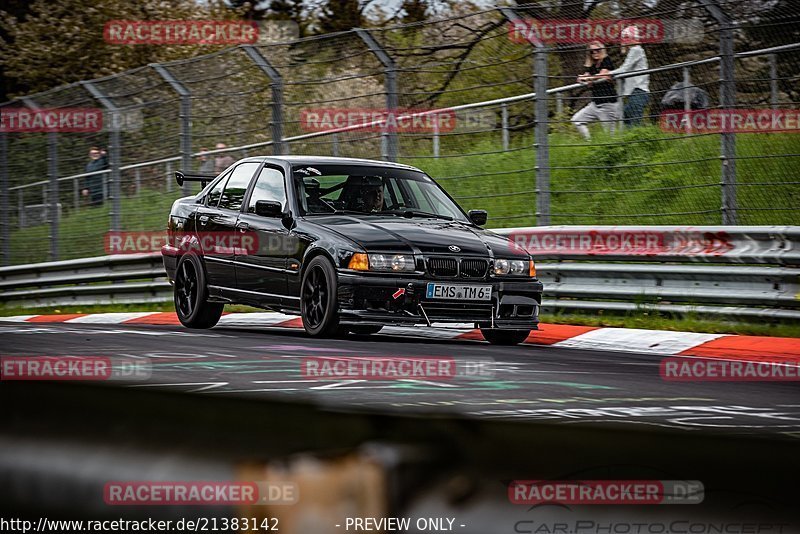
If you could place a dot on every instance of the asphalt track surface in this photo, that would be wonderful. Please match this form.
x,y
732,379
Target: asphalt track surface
x,y
536,383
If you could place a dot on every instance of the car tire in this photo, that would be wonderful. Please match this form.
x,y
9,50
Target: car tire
x,y
318,298
497,336
364,330
191,295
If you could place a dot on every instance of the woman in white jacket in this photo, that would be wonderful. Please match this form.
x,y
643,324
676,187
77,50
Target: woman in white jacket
x,y
636,89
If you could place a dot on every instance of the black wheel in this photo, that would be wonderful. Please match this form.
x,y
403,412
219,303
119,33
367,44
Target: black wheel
x,y
318,305
504,337
364,330
191,295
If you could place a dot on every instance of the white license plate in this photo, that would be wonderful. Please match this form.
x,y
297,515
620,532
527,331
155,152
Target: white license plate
x,y
458,292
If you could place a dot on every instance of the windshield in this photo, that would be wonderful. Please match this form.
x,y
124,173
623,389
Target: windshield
x,y
371,190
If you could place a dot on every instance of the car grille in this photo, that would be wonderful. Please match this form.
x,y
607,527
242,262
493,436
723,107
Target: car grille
x,y
472,268
444,267
468,312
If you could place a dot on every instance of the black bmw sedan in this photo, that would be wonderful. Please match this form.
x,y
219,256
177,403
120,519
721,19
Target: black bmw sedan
x,y
350,245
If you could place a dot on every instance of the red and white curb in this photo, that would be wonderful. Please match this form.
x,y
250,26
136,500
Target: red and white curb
x,y
660,342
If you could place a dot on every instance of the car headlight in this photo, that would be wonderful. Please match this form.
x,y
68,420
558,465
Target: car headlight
x,y
382,262
512,267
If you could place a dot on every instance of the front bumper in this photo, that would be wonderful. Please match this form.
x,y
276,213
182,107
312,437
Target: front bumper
x,y
377,299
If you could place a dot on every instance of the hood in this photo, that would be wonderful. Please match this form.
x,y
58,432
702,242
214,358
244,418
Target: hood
x,y
419,236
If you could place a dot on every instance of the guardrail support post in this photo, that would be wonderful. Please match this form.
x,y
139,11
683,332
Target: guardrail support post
x,y
114,156
52,189
185,116
5,201
276,87
390,76
727,96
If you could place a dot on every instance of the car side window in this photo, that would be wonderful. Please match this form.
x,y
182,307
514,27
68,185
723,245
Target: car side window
x,y
233,194
212,198
269,186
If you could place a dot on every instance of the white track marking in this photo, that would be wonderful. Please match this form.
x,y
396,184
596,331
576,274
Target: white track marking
x,y
109,318
636,340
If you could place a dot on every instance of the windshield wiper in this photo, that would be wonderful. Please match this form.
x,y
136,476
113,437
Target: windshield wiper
x,y
415,213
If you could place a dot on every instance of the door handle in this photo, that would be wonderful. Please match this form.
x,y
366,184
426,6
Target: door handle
x,y
242,226
203,219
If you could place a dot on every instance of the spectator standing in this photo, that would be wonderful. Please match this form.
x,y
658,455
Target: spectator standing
x,y
93,185
603,107
222,161
636,89
206,163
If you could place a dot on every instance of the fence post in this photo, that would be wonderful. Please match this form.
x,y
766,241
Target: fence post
x,y
436,138
276,87
727,97
185,116
390,81
504,119
52,189
620,105
687,105
541,141
21,207
773,81
5,201
114,156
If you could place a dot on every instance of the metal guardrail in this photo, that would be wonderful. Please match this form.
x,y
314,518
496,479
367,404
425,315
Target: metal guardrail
x,y
726,288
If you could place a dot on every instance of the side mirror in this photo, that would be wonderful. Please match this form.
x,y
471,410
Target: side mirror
x,y
269,208
478,216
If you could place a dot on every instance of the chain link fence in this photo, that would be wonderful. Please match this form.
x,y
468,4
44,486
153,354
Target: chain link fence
x,y
489,105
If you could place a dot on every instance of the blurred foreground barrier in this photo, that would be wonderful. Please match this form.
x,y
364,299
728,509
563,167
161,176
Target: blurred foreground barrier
x,y
58,459
745,272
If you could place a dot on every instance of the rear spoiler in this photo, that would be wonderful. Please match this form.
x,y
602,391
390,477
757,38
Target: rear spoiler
x,y
202,177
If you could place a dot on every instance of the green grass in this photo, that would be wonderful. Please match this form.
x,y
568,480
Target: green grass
x,y
639,319
636,184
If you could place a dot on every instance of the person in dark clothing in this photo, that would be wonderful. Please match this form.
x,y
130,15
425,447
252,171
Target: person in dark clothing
x,y
93,185
603,107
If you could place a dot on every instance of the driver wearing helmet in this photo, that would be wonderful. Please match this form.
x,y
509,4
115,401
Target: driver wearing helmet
x,y
372,196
